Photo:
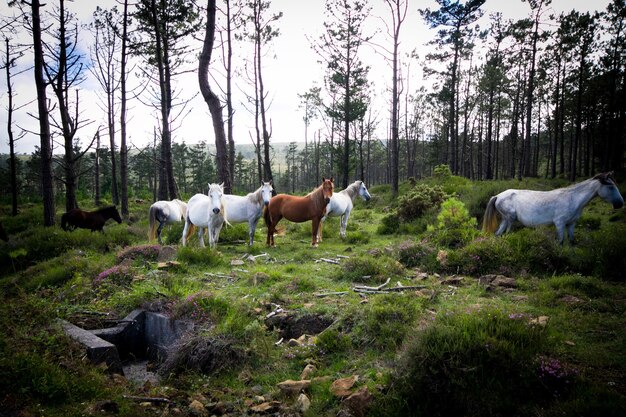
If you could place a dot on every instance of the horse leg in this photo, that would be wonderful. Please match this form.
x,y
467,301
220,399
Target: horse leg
x,y
251,230
560,232
344,224
570,233
185,229
504,227
315,222
201,236
159,229
320,229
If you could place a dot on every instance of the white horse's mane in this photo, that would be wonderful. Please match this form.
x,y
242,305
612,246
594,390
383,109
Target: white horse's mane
x,y
351,189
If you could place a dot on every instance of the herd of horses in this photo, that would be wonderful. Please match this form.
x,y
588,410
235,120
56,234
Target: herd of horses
x,y
561,207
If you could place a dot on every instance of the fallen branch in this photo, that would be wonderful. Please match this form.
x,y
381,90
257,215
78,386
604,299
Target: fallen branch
x,y
365,287
326,294
330,261
92,313
156,400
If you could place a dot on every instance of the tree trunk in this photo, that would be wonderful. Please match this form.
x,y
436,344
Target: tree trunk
x,y
12,156
47,181
123,148
215,107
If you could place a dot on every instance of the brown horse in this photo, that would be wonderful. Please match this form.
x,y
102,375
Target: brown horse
x,y
298,209
93,220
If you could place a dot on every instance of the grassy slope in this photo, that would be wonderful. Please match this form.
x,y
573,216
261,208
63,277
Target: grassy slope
x,y
377,337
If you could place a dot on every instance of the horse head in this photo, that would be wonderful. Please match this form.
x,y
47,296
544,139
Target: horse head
x,y
608,191
327,188
266,192
115,215
365,195
215,194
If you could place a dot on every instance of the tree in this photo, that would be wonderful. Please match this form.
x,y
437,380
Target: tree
x,y
398,9
166,27
215,107
45,151
104,69
347,76
261,32
9,63
64,71
454,37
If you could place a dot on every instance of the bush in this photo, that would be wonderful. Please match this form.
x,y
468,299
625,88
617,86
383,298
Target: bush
x,y
417,254
454,226
525,251
476,363
389,225
418,201
385,321
331,341
200,256
369,269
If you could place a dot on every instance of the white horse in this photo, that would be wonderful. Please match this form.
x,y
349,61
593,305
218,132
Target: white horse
x,y
165,212
205,211
341,205
248,208
562,206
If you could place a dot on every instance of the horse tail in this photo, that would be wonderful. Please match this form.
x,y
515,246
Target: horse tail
x,y
490,219
64,221
190,230
266,216
153,227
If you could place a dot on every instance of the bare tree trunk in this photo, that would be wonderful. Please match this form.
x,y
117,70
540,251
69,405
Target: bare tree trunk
x,y
47,182
123,148
229,99
96,181
215,107
12,156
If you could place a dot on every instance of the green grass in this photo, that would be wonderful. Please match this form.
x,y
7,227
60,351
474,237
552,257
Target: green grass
x,y
440,350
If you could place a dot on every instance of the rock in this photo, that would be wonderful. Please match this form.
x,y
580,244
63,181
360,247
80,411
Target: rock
x,y
307,372
452,281
266,407
341,387
167,253
502,281
570,299
236,262
303,403
197,408
293,387
540,321
359,402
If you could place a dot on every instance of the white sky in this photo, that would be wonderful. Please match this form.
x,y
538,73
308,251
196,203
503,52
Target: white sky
x,y
290,69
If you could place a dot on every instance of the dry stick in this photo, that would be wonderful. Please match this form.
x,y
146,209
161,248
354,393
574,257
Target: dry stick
x,y
158,400
365,287
330,261
326,294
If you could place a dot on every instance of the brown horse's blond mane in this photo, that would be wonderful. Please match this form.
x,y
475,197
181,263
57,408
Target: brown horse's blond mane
x,y
317,197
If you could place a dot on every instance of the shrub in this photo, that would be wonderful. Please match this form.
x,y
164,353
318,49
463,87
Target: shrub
x,y
421,254
144,252
601,253
454,225
418,201
484,362
331,341
200,256
116,275
368,268
389,225
385,321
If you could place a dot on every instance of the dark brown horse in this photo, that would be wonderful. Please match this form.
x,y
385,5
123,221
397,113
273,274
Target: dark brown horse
x,y
93,220
298,209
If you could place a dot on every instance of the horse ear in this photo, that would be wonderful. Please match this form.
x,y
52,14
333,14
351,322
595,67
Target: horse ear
x,y
331,179
323,179
222,185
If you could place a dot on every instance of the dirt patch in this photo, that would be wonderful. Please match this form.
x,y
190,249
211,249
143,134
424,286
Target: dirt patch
x,y
291,327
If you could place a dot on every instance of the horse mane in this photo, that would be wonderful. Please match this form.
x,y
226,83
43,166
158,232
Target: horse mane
x,y
352,188
317,200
